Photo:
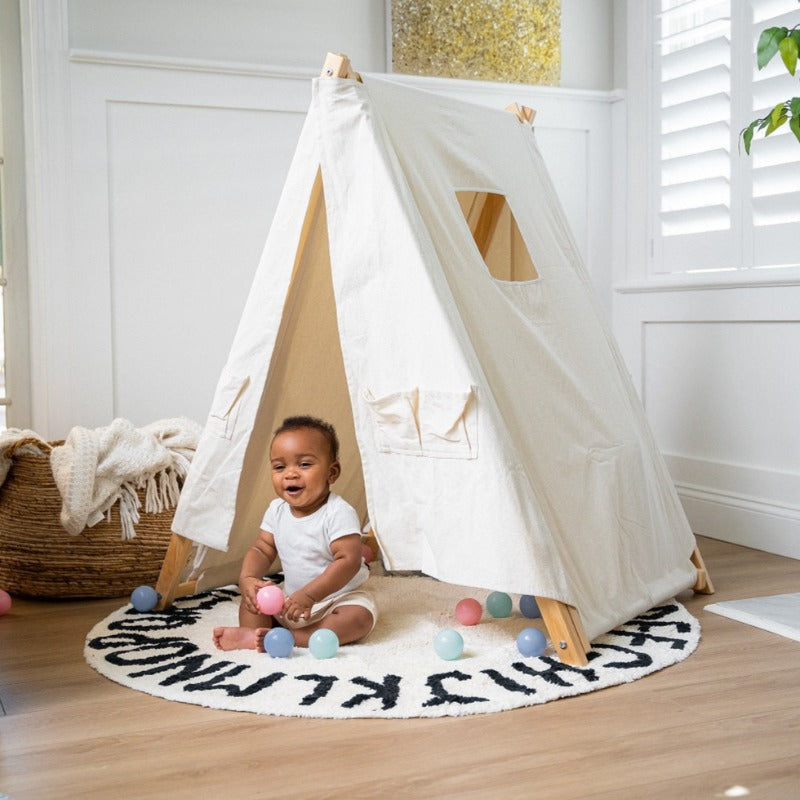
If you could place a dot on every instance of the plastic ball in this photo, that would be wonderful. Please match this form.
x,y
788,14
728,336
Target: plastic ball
x,y
144,598
279,643
448,644
367,554
5,602
469,611
270,599
528,607
323,643
499,604
531,642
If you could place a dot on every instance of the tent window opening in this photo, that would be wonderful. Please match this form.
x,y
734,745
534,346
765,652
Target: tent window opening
x,y
497,235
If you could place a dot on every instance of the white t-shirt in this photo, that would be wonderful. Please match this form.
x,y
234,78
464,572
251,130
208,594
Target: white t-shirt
x,y
304,543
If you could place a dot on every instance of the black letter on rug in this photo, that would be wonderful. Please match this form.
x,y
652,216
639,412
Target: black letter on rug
x,y
639,659
506,683
231,689
324,685
189,668
441,695
387,692
553,672
130,648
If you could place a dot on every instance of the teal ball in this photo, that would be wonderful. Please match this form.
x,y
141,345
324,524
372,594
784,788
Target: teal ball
x,y
499,604
449,644
323,643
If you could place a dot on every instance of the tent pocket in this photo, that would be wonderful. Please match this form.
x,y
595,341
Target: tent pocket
x,y
225,411
423,422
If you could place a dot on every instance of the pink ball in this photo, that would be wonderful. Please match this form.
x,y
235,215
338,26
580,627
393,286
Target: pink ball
x,y
269,599
367,554
469,611
5,602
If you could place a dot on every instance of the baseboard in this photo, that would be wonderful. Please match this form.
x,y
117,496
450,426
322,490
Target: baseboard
x,y
740,520
745,505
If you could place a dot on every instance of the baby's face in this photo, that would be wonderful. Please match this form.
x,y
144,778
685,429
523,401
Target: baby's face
x,y
302,469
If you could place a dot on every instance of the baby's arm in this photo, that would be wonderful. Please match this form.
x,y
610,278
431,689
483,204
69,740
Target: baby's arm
x,y
346,563
257,561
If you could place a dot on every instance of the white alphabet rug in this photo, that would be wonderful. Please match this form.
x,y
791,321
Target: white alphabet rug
x,y
395,672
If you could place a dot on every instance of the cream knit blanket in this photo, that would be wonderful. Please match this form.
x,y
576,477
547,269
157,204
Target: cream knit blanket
x,y
94,469
13,436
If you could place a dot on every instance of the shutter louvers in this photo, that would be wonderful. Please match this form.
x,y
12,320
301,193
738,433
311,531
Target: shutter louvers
x,y
694,209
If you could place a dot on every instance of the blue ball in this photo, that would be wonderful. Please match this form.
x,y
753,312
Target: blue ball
x,y
528,607
323,643
499,604
279,643
144,598
448,644
531,642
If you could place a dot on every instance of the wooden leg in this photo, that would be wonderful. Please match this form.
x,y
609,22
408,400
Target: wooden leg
x,y
565,628
703,583
169,584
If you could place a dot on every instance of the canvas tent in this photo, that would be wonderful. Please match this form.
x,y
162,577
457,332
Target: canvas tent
x,y
420,289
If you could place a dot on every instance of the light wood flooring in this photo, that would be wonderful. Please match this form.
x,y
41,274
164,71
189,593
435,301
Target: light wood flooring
x,y
728,716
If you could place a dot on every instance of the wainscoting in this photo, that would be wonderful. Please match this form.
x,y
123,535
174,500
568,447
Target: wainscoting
x,y
716,366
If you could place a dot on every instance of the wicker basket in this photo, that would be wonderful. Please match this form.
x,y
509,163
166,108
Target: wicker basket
x,y
38,558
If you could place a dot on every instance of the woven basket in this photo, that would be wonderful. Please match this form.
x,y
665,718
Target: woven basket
x,y
38,558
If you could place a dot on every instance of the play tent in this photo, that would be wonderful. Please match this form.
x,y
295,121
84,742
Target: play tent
x,y
420,289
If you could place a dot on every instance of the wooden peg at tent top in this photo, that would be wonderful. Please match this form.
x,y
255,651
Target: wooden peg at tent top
x,y
523,113
337,65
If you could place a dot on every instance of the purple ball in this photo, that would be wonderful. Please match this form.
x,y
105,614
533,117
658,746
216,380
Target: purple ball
x,y
531,642
279,643
528,607
144,598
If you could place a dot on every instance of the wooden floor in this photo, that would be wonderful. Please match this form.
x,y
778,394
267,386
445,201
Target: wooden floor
x,y
728,716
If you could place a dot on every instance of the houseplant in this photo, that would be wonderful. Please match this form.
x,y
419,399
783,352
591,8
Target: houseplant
x,y
771,42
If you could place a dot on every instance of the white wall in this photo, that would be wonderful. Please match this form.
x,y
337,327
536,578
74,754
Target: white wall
x,y
274,32
587,52
158,136
265,32
15,292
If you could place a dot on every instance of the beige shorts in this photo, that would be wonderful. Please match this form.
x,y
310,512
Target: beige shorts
x,y
321,610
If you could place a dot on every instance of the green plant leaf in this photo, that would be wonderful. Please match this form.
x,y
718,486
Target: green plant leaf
x,y
794,125
794,106
747,137
774,124
788,48
768,44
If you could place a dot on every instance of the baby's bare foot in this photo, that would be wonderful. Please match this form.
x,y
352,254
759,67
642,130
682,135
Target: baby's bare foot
x,y
260,634
240,638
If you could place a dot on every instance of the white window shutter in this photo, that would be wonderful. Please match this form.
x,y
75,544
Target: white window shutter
x,y
693,58
715,208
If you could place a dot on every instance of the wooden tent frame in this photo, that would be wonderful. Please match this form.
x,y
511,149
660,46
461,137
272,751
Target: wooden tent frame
x,y
561,620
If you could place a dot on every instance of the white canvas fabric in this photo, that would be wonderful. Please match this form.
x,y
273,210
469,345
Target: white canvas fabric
x,y
490,432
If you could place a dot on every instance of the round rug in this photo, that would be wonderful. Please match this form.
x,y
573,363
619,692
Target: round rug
x,y
395,672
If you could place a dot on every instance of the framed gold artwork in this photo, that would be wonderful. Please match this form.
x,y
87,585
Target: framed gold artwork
x,y
513,41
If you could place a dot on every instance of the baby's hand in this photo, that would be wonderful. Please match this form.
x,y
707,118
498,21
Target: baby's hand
x,y
298,606
248,587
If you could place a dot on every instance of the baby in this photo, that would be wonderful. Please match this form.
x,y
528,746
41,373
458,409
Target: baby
x,y
317,536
